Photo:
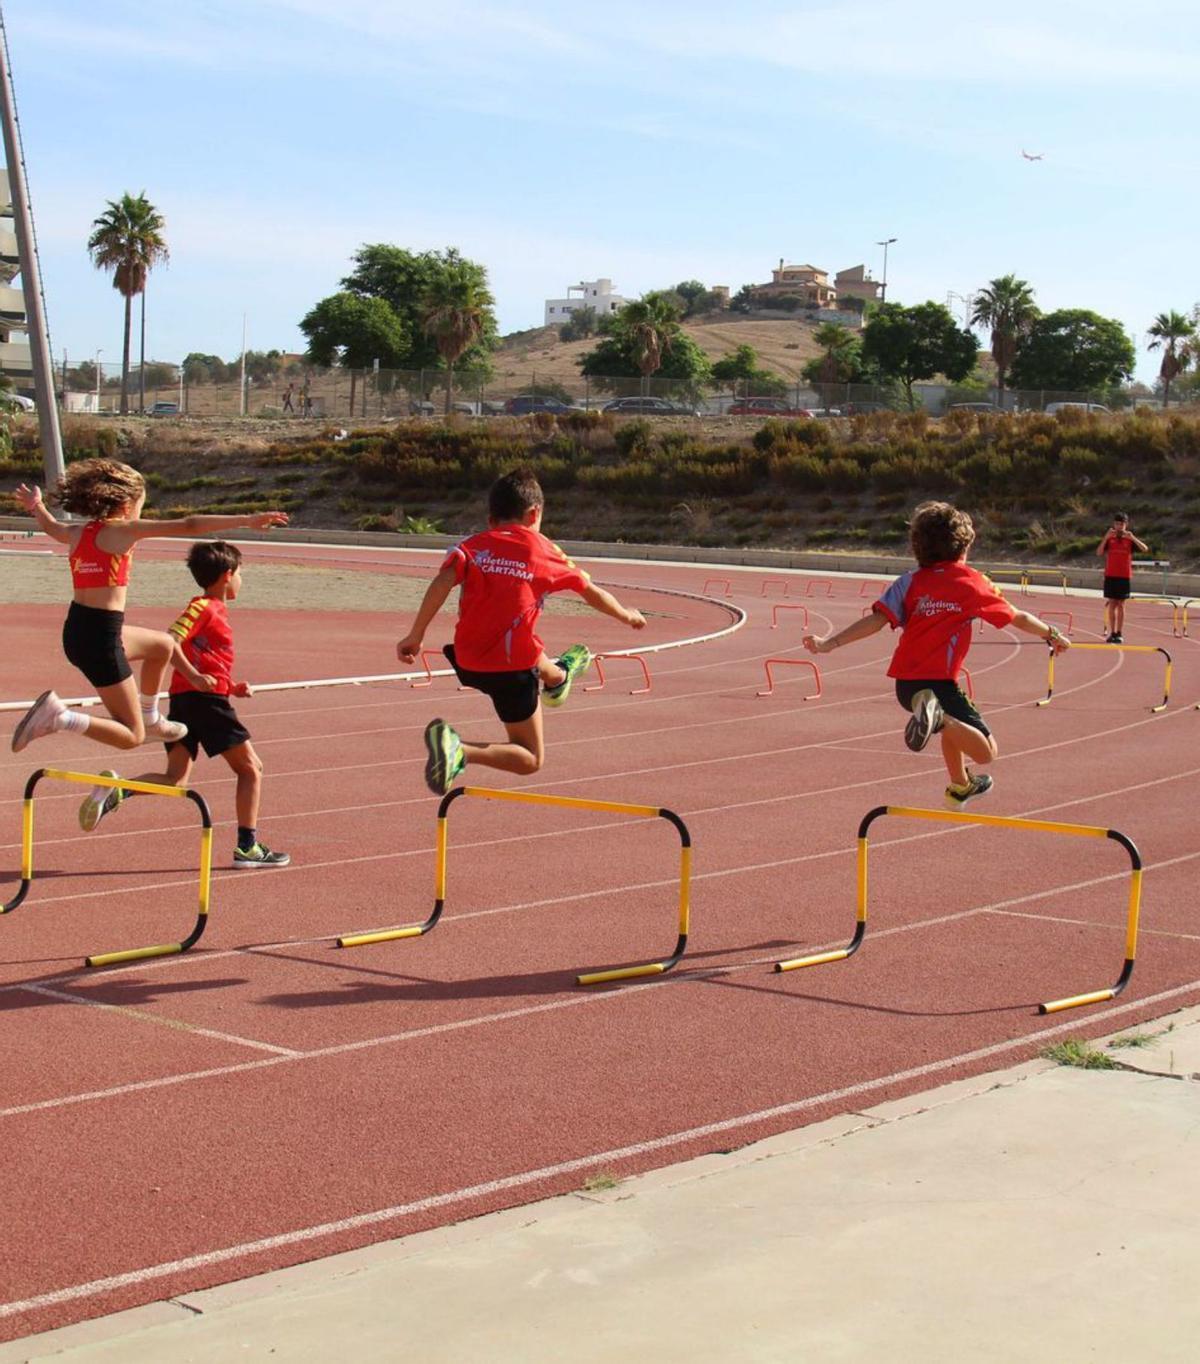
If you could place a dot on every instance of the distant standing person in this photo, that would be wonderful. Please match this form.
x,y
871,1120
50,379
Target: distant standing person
x,y
287,399
1117,551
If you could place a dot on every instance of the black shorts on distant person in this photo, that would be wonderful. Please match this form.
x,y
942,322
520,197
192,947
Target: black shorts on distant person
x,y
212,723
91,640
514,694
1116,589
954,701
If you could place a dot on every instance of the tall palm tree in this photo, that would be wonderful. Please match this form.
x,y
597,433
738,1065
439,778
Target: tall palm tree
x,y
650,323
839,347
1168,331
127,238
1007,307
454,312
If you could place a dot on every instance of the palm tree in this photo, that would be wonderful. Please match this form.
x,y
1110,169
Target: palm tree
x,y
127,238
454,312
650,324
1168,331
1007,307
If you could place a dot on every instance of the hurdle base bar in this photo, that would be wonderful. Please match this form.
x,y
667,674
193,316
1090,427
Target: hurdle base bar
x,y
820,958
653,968
393,934
1057,1006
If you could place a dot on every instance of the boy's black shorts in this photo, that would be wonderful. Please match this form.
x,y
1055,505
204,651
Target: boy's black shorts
x,y
514,694
954,701
92,642
211,721
1117,589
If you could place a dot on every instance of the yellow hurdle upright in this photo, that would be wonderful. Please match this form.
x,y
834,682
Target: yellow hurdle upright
x,y
1004,822
1122,648
143,788
654,968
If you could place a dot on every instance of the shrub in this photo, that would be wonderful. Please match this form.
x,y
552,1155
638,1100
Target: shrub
x,y
634,437
846,475
799,471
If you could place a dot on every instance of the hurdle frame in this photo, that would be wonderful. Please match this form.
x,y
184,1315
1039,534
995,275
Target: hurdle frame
x,y
792,662
1154,599
787,586
1125,648
144,788
653,968
1002,821
1070,618
1189,601
704,592
778,606
633,658
815,582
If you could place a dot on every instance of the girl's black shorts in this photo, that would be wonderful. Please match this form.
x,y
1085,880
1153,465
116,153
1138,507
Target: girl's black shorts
x,y
954,701
92,642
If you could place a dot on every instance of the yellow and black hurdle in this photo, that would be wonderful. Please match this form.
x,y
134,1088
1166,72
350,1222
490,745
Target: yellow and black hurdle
x,y
654,968
143,788
1005,822
1123,648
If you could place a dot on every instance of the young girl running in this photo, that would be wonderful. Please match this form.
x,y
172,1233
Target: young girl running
x,y
95,637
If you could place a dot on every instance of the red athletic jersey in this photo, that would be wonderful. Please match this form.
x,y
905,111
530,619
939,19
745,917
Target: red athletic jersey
x,y
92,566
506,575
934,607
207,641
1118,557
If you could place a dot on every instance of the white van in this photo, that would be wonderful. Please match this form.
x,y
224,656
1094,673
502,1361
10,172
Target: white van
x,y
1051,408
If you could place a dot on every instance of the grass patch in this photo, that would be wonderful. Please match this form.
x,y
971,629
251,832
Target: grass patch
x,y
1140,1039
1074,1052
601,1182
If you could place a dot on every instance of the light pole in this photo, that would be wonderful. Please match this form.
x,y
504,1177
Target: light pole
x,y
98,354
885,245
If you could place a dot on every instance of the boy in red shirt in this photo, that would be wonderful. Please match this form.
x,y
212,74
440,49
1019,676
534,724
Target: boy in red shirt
x,y
1117,551
933,606
205,636
505,574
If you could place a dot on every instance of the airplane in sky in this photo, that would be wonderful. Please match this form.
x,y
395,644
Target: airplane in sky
x,y
1029,156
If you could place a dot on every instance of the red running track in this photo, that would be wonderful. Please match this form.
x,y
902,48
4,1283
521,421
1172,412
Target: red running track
x,y
267,1099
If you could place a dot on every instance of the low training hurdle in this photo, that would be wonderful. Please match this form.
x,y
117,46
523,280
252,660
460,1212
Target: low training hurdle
x,y
654,968
145,788
965,673
1173,603
1005,822
869,589
827,583
786,583
1068,616
788,606
427,680
708,582
1191,601
793,663
633,658
1124,648
1027,573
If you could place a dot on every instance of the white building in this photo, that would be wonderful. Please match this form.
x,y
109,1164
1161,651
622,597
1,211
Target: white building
x,y
16,358
588,293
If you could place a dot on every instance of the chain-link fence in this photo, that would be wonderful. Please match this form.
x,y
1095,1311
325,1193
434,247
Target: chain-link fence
x,y
306,392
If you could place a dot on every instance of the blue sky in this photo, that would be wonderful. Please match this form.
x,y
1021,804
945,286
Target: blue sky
x,y
646,143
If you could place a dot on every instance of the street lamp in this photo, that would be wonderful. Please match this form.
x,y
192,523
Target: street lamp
x,y
98,354
885,245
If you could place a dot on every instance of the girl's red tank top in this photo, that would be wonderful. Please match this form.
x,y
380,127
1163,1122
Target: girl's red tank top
x,y
92,566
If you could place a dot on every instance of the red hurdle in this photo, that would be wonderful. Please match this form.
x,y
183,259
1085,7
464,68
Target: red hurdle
x,y
869,589
787,606
817,582
966,673
796,663
633,658
427,680
785,582
708,582
1068,616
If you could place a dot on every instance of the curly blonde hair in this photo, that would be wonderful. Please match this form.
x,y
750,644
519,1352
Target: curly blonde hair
x,y
938,532
98,488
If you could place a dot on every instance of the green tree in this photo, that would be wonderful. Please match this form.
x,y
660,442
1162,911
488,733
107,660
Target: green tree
x,y
1173,334
909,344
579,326
1006,306
204,369
262,364
645,339
454,312
403,279
743,301
741,366
841,356
1073,351
127,238
350,330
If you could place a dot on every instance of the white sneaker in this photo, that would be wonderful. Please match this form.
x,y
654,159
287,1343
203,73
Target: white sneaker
x,y
38,721
100,801
166,731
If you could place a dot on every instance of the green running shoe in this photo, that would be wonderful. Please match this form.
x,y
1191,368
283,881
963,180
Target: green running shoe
x,y
100,801
577,659
260,856
446,757
978,784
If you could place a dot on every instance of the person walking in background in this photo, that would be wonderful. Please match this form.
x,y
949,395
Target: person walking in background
x,y
287,399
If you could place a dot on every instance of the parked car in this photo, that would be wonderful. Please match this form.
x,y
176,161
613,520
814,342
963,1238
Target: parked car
x,y
972,407
651,407
417,408
163,410
1051,408
525,403
17,402
767,407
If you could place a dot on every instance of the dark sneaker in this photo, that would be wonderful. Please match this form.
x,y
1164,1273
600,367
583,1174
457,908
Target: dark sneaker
x,y
446,757
100,801
1117,639
978,784
38,721
927,720
576,660
259,856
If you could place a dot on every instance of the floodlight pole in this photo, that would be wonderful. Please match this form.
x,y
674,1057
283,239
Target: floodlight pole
x,y
31,280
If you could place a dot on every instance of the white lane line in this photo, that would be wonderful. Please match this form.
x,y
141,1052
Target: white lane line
x,y
143,1016
398,1212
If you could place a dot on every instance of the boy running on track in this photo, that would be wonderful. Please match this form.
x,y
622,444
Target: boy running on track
x,y
95,637
933,606
206,718
505,574
1117,551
